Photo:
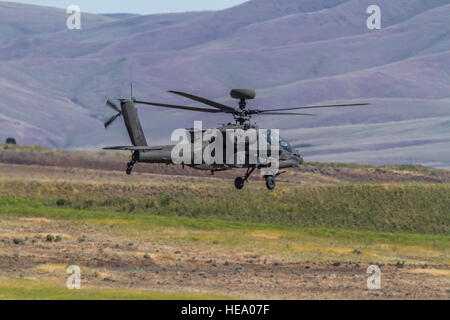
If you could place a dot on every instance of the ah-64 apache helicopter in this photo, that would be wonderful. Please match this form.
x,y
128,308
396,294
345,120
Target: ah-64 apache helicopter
x,y
141,152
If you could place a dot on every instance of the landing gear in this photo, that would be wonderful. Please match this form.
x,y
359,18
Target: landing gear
x,y
239,181
131,164
270,182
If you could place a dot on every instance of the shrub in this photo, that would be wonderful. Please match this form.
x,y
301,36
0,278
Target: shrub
x,y
88,203
11,141
165,200
400,264
18,241
61,202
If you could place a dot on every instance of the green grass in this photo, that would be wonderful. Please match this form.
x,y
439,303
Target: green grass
x,y
13,208
26,289
321,165
397,208
397,167
278,241
36,150
415,168
16,147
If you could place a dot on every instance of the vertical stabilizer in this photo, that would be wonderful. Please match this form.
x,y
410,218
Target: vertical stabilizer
x,y
132,123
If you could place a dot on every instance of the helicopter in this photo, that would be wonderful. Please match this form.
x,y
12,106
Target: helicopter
x,y
285,155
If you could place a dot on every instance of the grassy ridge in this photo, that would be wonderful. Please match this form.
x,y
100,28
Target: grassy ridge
x,y
276,242
405,208
398,167
115,161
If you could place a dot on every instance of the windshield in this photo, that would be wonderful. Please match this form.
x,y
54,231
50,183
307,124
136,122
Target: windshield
x,y
283,143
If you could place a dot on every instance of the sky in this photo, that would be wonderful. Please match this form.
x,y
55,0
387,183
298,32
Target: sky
x,y
137,6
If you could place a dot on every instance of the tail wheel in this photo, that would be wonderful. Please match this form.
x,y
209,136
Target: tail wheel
x,y
239,183
134,160
129,169
270,182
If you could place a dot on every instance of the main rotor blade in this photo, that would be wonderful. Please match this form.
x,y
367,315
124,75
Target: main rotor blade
x,y
112,105
214,104
285,113
178,107
111,120
316,107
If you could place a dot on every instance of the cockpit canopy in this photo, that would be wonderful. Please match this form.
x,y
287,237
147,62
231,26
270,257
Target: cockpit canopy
x,y
283,143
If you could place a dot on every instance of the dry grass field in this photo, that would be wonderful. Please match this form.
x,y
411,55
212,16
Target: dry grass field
x,y
165,233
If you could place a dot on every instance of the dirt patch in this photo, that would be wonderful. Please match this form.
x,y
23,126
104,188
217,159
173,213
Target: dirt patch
x,y
108,260
432,272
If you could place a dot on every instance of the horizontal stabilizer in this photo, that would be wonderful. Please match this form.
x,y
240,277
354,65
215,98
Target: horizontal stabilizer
x,y
133,148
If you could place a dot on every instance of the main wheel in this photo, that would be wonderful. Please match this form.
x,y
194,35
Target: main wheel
x,y
270,182
239,183
129,171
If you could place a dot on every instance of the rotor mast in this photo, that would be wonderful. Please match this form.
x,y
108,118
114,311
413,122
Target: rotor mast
x,y
242,116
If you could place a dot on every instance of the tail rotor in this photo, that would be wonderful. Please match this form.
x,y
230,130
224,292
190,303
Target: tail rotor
x,y
113,106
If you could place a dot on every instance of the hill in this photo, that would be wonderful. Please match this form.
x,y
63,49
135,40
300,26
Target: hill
x,y
293,52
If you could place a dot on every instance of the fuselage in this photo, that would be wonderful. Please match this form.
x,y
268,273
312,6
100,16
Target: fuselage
x,y
164,154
